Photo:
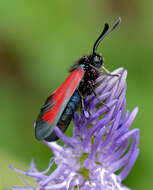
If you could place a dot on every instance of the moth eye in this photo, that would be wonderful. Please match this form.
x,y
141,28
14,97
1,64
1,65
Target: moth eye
x,y
97,61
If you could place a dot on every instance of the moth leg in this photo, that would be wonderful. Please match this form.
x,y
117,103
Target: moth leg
x,y
108,72
93,90
82,102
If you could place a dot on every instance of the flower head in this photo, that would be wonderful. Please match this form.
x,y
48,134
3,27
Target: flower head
x,y
100,154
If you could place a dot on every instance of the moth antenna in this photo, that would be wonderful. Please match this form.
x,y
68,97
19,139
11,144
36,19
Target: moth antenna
x,y
99,38
104,33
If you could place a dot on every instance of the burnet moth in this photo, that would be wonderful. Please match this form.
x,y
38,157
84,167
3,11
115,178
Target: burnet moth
x,y
59,108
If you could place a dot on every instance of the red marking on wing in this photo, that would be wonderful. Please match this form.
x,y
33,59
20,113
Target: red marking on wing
x,y
63,93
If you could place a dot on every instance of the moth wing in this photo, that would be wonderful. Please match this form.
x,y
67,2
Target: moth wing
x,y
55,104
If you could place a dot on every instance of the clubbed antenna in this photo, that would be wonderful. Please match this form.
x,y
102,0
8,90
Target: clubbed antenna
x,y
105,32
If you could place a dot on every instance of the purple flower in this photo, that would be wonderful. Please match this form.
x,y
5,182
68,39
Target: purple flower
x,y
100,153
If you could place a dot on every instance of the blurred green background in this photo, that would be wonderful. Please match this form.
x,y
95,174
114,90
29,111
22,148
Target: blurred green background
x,y
39,40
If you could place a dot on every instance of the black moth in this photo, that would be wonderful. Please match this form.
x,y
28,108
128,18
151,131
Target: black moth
x,y
60,106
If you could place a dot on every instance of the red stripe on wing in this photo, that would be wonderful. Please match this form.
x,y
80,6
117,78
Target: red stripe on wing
x,y
63,94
